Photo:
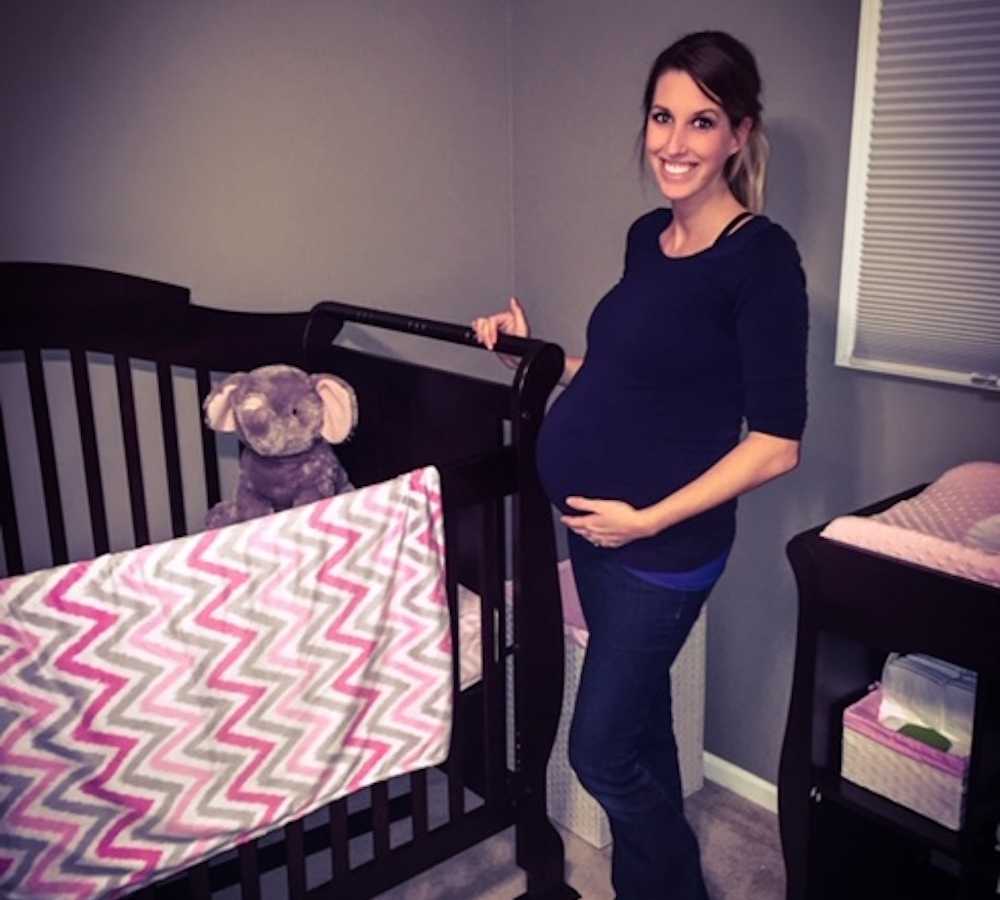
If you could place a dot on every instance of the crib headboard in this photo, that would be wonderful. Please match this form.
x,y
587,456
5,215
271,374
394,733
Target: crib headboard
x,y
410,414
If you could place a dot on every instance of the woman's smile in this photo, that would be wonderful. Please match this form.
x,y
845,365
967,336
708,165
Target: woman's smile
x,y
677,170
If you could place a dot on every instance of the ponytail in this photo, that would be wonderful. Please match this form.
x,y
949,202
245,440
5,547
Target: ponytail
x,y
748,170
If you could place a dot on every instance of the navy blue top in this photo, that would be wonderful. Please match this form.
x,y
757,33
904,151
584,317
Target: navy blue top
x,y
679,352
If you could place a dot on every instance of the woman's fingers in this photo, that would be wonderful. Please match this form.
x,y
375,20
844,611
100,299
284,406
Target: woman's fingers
x,y
488,328
510,321
518,321
592,522
606,523
596,535
582,525
486,331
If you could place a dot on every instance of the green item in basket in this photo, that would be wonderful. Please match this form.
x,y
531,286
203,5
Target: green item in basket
x,y
926,736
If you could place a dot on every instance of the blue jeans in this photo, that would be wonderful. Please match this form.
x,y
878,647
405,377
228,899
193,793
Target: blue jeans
x,y
621,742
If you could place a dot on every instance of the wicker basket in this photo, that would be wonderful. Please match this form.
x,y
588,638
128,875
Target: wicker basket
x,y
569,803
906,771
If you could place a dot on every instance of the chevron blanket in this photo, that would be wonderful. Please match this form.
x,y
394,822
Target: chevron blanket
x,y
162,704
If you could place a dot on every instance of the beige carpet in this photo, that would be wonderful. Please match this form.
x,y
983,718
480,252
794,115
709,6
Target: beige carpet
x,y
741,856
740,846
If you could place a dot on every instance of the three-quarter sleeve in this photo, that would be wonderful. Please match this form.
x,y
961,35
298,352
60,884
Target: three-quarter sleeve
x,y
772,321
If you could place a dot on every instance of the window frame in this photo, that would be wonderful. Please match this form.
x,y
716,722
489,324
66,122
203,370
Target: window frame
x,y
854,220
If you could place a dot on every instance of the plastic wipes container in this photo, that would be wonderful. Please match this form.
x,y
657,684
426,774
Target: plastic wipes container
x,y
925,691
903,769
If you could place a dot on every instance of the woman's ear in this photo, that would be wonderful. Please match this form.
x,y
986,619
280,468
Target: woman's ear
x,y
340,407
741,134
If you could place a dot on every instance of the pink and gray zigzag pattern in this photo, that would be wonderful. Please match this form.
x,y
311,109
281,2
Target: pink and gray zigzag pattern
x,y
162,704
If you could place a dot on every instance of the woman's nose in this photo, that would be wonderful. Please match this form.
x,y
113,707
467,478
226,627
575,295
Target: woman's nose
x,y
676,141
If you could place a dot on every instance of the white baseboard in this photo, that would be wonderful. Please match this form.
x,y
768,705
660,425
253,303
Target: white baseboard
x,y
740,781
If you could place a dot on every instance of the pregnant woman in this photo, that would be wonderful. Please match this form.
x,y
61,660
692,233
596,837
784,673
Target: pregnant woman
x,y
643,453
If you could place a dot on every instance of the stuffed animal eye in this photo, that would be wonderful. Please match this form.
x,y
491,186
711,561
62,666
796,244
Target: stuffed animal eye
x,y
305,408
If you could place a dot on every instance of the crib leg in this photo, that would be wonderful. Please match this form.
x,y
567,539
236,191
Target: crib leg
x,y
541,854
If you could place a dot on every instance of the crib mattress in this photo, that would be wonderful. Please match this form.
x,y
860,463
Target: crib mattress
x,y
470,633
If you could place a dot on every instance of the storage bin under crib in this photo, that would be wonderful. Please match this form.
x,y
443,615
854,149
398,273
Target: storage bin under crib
x,y
903,769
569,803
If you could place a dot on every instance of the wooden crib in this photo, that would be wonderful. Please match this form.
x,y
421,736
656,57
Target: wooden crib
x,y
479,434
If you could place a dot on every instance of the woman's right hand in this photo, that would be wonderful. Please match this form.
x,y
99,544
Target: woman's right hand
x,y
511,321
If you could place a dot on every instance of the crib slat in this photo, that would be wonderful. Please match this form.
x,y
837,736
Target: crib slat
x,y
295,860
341,863
8,520
249,872
418,799
208,451
88,443
171,449
46,455
130,437
455,753
198,883
493,642
380,819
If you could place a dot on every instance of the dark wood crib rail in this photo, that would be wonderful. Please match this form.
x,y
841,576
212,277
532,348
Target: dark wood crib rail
x,y
479,433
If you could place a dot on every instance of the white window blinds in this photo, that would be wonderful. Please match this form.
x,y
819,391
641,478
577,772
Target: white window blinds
x,y
920,276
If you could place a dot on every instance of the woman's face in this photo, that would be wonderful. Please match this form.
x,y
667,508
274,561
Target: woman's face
x,y
689,139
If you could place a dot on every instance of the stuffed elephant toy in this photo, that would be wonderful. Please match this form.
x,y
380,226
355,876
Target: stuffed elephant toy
x,y
286,421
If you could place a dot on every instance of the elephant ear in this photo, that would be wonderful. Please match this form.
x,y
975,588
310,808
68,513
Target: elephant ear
x,y
218,407
340,407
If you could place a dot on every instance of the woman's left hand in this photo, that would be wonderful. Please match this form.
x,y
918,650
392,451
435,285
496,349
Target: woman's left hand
x,y
607,523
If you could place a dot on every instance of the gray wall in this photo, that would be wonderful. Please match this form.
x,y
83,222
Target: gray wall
x,y
264,154
430,157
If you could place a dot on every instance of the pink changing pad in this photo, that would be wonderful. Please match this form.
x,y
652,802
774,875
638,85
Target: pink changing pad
x,y
933,528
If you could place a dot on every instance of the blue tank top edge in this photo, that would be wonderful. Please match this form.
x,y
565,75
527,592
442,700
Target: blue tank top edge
x,y
698,579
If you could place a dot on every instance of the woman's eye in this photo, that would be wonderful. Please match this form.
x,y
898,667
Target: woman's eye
x,y
703,123
661,118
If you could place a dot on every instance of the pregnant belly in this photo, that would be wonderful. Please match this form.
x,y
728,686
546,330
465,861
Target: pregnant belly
x,y
620,460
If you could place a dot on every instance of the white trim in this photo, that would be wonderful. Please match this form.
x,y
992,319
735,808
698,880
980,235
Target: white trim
x,y
747,785
857,180
986,382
